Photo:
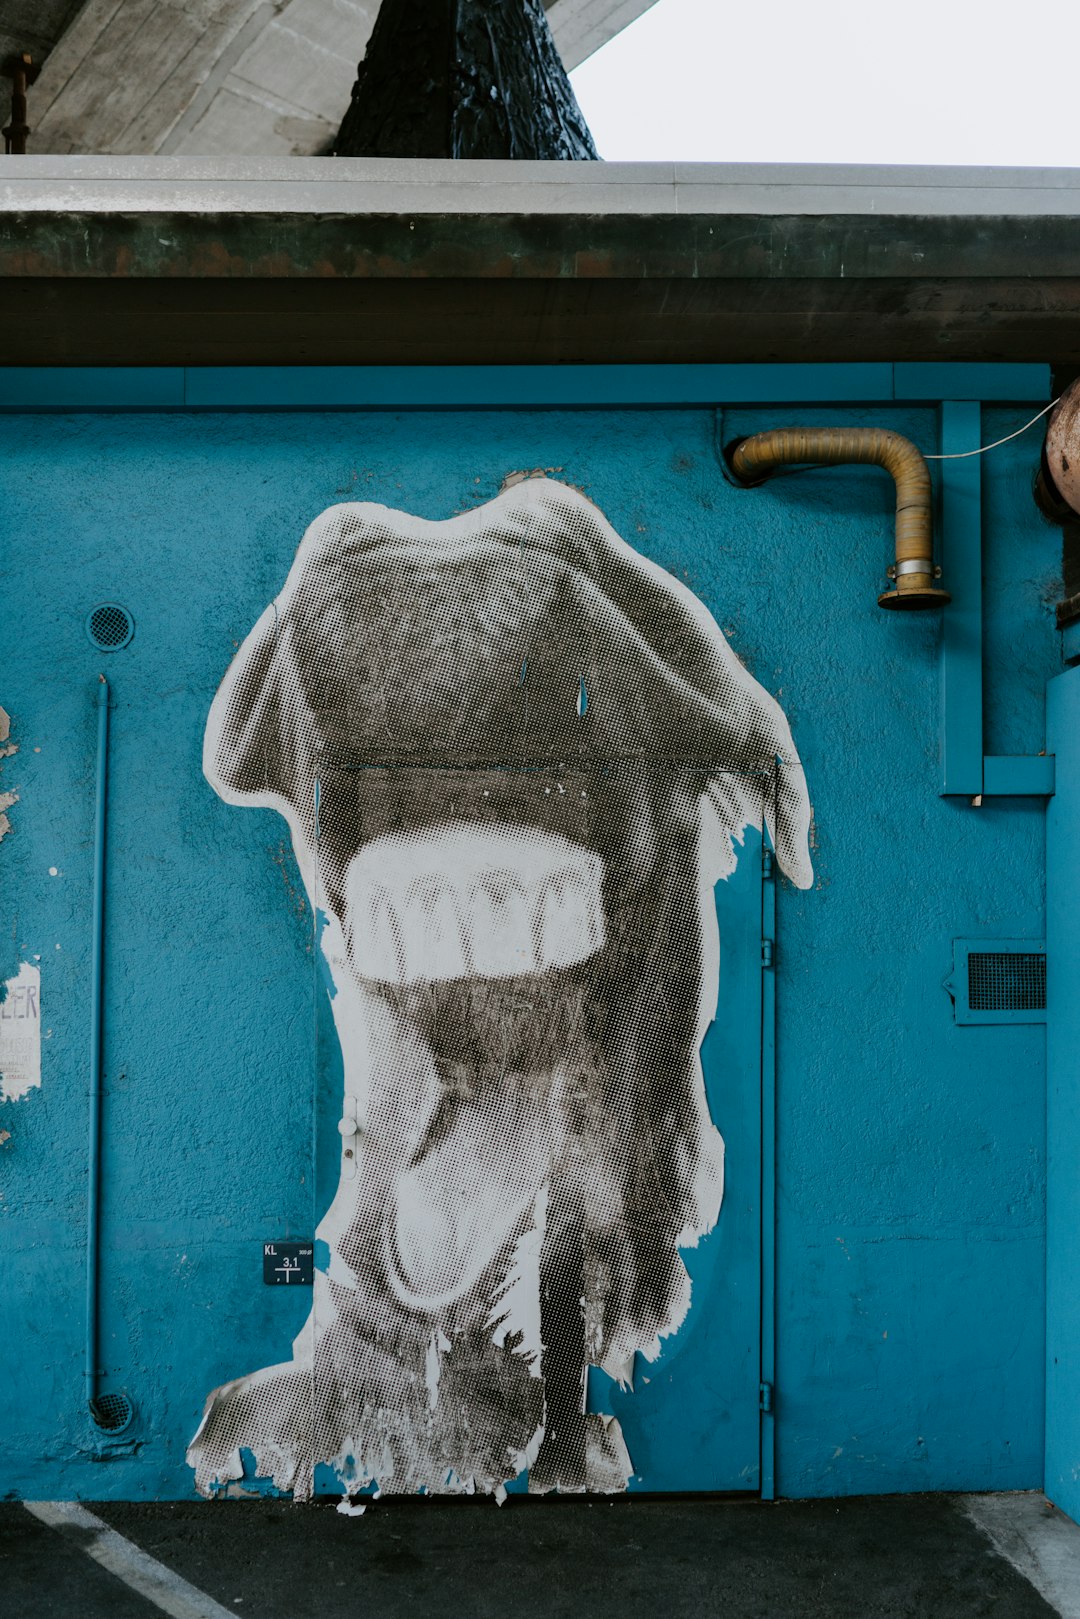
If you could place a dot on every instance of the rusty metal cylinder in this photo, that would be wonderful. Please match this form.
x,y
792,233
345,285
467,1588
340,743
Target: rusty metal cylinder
x,y
1060,472
22,70
752,460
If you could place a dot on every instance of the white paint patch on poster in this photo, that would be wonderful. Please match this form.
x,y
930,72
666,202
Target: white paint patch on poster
x,y
20,1034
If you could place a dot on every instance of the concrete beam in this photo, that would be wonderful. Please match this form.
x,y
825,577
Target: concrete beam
x,y
236,77
392,261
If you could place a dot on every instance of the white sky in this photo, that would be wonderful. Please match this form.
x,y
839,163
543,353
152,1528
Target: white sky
x,y
840,81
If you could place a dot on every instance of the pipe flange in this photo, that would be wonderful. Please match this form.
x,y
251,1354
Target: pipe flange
x,y
913,601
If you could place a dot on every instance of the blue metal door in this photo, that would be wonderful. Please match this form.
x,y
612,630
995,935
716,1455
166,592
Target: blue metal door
x,y
692,1418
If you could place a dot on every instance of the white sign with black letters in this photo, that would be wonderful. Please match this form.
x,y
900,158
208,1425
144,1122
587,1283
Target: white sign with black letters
x,y
20,1034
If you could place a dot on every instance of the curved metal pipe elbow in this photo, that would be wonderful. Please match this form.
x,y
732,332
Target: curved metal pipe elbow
x,y
752,460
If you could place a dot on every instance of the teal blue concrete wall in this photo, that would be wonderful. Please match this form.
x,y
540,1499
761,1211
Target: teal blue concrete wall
x,y
910,1158
1062,1481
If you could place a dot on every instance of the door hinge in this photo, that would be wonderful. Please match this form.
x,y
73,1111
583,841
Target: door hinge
x,y
766,863
766,1396
767,952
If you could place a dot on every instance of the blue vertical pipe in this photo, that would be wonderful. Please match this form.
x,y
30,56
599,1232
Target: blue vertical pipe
x,y
97,954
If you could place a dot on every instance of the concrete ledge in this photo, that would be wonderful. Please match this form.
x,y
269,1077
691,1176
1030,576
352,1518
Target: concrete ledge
x,y
354,186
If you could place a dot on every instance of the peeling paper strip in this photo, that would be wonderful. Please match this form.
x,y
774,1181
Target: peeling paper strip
x,y
20,1034
6,749
6,801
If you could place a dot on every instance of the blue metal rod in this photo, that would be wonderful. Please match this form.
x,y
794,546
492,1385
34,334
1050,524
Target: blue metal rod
x,y
97,953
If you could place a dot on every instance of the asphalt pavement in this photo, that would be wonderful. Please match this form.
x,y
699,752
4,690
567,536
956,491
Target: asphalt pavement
x,y
913,1557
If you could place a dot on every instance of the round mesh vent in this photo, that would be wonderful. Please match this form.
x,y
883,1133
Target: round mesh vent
x,y
109,627
112,1412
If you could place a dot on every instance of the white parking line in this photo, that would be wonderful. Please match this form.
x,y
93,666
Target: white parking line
x,y
1040,1542
129,1563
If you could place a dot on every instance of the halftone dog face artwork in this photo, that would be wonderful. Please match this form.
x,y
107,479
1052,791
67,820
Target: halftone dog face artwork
x,y
515,757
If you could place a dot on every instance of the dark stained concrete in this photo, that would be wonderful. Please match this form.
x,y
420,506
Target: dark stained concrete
x,y
114,321
570,246
916,1557
34,26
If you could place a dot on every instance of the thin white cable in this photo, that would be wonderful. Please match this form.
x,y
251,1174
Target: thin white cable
x,y
959,455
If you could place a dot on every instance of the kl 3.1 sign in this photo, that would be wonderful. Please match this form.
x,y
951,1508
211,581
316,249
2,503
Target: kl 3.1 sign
x,y
288,1262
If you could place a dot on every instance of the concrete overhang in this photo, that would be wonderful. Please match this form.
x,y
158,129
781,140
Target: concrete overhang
x,y
319,261
270,78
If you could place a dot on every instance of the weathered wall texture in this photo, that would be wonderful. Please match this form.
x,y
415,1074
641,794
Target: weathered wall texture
x,y
910,1151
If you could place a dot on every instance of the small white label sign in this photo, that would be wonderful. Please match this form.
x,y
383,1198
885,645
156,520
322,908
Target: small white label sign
x,y
20,1034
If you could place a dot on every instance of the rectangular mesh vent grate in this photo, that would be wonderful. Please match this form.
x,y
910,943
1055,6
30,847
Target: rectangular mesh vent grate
x,y
1007,981
998,981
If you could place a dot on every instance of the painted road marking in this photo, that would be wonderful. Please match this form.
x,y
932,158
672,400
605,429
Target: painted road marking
x,y
1038,1540
130,1563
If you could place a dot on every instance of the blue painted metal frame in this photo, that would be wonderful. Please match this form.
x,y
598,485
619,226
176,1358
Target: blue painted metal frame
x,y
957,982
966,771
483,387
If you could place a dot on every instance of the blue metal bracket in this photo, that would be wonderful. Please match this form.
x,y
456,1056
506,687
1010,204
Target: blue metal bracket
x,y
962,630
1018,775
1070,644
966,771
